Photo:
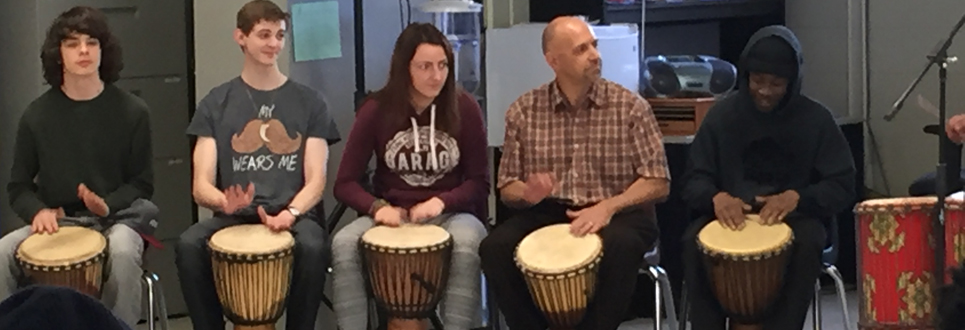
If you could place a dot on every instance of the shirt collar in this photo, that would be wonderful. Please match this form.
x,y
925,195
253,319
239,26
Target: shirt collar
x,y
595,95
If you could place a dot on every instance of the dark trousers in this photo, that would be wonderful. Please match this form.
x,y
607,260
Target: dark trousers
x,y
312,253
625,240
791,308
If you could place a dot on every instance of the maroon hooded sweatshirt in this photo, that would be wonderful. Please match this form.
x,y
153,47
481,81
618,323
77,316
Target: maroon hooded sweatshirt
x,y
416,161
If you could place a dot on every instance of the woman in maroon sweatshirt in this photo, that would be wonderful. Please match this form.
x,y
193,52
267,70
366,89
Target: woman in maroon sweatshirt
x,y
429,141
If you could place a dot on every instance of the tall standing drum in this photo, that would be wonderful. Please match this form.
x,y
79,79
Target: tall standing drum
x,y
73,257
746,267
252,273
407,267
954,232
896,260
560,270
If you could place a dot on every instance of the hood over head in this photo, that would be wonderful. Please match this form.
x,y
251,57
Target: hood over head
x,y
776,50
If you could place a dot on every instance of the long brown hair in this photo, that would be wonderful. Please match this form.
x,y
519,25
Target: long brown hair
x,y
395,99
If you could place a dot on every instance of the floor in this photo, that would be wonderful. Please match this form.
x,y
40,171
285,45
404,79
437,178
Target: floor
x,y
832,319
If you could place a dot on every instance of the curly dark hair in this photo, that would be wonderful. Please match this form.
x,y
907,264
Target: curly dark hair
x,y
83,20
951,302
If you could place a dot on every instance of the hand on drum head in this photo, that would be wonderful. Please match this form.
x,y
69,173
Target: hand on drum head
x,y
730,210
589,220
94,203
776,207
237,198
426,210
45,221
282,221
538,186
391,216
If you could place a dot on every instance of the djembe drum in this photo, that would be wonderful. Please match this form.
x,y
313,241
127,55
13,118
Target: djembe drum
x,y
252,273
954,232
560,270
407,268
895,263
72,257
746,267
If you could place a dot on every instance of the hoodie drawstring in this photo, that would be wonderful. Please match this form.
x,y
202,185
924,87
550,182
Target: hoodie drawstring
x,y
432,136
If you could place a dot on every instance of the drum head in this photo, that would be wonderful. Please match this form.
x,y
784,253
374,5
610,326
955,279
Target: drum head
x,y
553,250
960,195
408,236
69,245
956,200
251,239
754,239
897,203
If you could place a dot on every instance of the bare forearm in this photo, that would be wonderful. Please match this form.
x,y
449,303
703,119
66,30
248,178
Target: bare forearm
x,y
209,197
512,195
309,196
642,191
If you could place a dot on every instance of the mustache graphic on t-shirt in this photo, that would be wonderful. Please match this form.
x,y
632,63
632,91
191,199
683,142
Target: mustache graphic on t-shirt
x,y
271,133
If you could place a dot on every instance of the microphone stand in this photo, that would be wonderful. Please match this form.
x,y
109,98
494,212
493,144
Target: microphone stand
x,y
941,58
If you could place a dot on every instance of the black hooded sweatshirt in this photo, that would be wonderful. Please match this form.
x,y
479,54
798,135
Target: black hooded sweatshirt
x,y
796,146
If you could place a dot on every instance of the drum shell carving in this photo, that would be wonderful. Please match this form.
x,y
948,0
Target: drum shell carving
x,y
252,288
421,274
747,285
895,262
85,275
563,297
560,271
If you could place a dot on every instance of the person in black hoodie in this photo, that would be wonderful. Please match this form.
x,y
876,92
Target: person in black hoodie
x,y
767,149
951,302
55,307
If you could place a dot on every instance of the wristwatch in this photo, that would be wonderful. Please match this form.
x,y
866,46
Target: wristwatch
x,y
294,211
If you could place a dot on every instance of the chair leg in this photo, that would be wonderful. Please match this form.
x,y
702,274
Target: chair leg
x,y
664,296
816,306
495,322
162,305
684,307
149,282
657,315
839,284
328,302
436,323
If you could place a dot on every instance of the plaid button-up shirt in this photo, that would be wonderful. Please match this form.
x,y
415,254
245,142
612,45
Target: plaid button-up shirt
x,y
595,150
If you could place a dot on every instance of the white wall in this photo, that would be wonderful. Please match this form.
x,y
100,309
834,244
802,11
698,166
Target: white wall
x,y
833,53
505,13
901,34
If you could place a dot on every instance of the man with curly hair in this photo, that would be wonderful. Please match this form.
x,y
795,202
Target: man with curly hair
x,y
83,157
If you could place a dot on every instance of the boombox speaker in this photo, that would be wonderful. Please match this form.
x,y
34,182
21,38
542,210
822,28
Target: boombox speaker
x,y
672,76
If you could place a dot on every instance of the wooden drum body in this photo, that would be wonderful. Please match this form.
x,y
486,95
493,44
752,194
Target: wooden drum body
x,y
746,268
72,257
407,268
252,273
560,270
896,259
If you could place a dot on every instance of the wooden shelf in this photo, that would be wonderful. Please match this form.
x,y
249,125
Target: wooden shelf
x,y
690,10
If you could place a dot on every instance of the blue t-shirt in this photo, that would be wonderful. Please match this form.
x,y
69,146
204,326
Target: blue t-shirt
x,y
261,137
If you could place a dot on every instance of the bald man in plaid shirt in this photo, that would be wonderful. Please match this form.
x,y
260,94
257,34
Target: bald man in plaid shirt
x,y
585,151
